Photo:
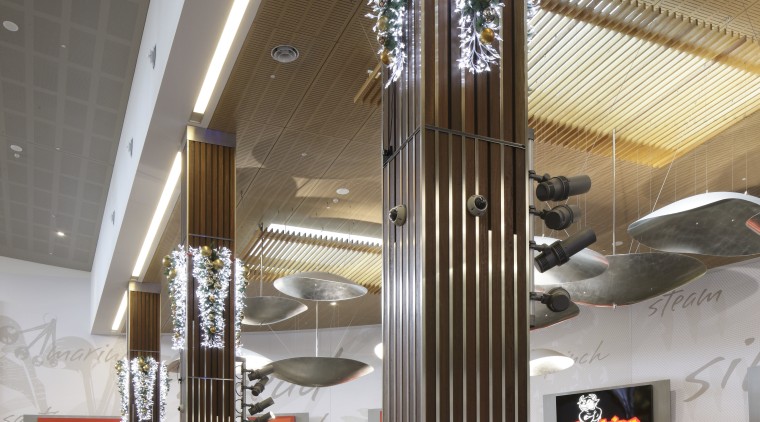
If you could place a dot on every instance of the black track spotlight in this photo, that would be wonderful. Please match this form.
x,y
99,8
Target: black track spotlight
x,y
559,217
258,388
258,407
260,373
560,188
556,299
264,418
560,251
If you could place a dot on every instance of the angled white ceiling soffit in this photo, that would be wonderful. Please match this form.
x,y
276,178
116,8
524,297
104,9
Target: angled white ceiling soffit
x,y
179,39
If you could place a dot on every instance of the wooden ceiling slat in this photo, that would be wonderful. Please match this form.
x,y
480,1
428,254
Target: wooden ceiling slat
x,y
662,80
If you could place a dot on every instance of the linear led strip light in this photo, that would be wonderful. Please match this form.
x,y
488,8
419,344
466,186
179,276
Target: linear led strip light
x,y
120,313
220,56
158,215
327,234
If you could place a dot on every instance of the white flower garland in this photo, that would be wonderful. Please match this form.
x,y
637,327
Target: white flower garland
x,y
144,371
122,382
389,28
478,29
163,390
240,284
532,7
176,272
212,270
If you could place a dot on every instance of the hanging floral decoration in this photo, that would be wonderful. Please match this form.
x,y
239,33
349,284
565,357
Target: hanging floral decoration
x,y
478,29
122,382
389,27
175,270
163,390
212,269
144,371
532,7
241,274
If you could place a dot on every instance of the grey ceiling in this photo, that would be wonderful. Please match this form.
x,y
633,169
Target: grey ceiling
x,y
65,78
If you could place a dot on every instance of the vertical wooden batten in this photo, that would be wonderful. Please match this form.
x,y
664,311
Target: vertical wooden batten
x,y
455,299
144,333
208,218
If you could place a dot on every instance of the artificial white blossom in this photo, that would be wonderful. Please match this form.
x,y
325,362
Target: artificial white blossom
x,y
163,390
144,371
474,54
178,297
240,284
395,12
122,382
211,292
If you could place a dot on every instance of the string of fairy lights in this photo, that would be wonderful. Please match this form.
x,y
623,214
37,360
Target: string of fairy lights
x,y
212,271
479,23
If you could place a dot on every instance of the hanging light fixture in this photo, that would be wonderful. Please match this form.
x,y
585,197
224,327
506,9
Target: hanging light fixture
x,y
547,361
266,310
713,223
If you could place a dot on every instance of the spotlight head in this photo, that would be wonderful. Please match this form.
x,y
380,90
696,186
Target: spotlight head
x,y
560,251
260,373
557,299
258,407
560,188
561,216
258,388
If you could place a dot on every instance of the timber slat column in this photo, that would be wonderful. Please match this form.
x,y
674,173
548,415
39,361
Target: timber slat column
x,y
208,207
144,333
455,300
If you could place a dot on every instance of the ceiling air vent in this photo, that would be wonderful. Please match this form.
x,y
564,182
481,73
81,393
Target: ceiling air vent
x,y
284,53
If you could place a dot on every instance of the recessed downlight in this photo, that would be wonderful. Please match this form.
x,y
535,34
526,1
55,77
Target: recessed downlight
x,y
60,234
10,25
16,148
342,191
285,53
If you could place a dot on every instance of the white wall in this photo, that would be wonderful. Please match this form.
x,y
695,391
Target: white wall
x,y
703,337
346,402
49,363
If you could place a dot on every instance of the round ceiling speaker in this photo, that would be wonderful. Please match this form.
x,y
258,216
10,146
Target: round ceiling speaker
x,y
285,53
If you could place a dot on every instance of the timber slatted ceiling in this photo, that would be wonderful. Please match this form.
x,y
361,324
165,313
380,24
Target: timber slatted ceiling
x,y
286,252
300,136
737,16
665,82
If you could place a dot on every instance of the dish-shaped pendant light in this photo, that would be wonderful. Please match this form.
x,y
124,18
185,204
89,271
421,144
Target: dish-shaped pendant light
x,y
547,361
715,223
319,286
319,371
584,264
266,310
633,278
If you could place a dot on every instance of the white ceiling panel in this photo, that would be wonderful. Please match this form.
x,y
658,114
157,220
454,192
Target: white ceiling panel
x,y
65,77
